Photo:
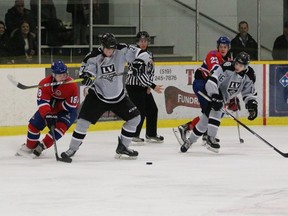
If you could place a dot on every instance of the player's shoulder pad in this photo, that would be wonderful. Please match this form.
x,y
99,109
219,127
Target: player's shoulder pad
x,y
92,54
150,53
251,74
228,65
47,79
121,46
213,52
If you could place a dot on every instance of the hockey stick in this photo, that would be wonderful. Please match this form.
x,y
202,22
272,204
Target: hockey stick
x,y
67,160
238,127
24,87
246,127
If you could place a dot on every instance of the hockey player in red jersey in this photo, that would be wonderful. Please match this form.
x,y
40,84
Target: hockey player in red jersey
x,y
214,57
57,108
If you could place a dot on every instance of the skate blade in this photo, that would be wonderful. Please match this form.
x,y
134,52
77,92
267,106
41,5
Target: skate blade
x,y
137,143
210,148
153,141
124,157
203,143
20,153
178,137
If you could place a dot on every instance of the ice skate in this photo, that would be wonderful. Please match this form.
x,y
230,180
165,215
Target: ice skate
x,y
122,152
187,144
212,144
24,151
38,150
155,139
68,154
137,141
204,139
180,134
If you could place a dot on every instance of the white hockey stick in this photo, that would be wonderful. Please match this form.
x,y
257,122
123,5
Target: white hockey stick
x,y
238,127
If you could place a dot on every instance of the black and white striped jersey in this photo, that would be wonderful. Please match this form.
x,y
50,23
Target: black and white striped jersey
x,y
145,79
110,89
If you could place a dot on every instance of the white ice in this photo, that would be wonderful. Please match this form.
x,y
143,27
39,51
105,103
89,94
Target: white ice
x,y
242,179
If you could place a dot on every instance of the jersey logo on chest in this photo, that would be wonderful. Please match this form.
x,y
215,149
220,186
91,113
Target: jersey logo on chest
x,y
233,87
108,71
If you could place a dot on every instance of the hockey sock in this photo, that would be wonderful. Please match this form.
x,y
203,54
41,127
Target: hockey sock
x,y
192,123
33,135
60,130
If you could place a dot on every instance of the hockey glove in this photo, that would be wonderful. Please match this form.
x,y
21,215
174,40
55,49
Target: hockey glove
x,y
234,104
51,120
87,78
252,107
217,102
137,67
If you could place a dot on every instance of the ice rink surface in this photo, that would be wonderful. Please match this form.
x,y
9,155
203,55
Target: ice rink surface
x,y
248,179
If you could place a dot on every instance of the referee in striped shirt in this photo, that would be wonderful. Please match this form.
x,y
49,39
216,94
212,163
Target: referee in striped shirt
x,y
139,90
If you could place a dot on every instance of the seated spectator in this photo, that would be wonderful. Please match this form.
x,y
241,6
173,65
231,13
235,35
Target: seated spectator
x,y
23,44
280,47
4,47
16,14
243,41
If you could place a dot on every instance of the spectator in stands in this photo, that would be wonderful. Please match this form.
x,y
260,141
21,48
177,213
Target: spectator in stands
x,y
280,47
16,15
23,44
243,41
80,19
4,46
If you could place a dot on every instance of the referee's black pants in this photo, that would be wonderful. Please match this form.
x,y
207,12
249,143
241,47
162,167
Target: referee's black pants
x,y
147,107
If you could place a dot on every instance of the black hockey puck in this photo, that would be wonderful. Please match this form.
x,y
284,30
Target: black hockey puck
x,y
149,163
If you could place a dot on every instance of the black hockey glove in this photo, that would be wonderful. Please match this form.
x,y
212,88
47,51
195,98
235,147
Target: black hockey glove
x,y
137,67
217,102
234,104
51,120
252,107
87,81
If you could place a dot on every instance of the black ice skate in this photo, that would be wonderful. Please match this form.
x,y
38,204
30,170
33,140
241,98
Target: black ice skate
x,y
122,152
181,133
68,154
212,144
39,148
155,139
187,144
137,141
204,138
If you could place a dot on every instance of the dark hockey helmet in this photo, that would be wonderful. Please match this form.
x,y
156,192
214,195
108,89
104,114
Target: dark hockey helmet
x,y
58,67
109,41
142,34
242,58
223,40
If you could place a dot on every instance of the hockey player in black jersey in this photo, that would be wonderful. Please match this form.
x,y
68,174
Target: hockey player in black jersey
x,y
108,92
226,81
